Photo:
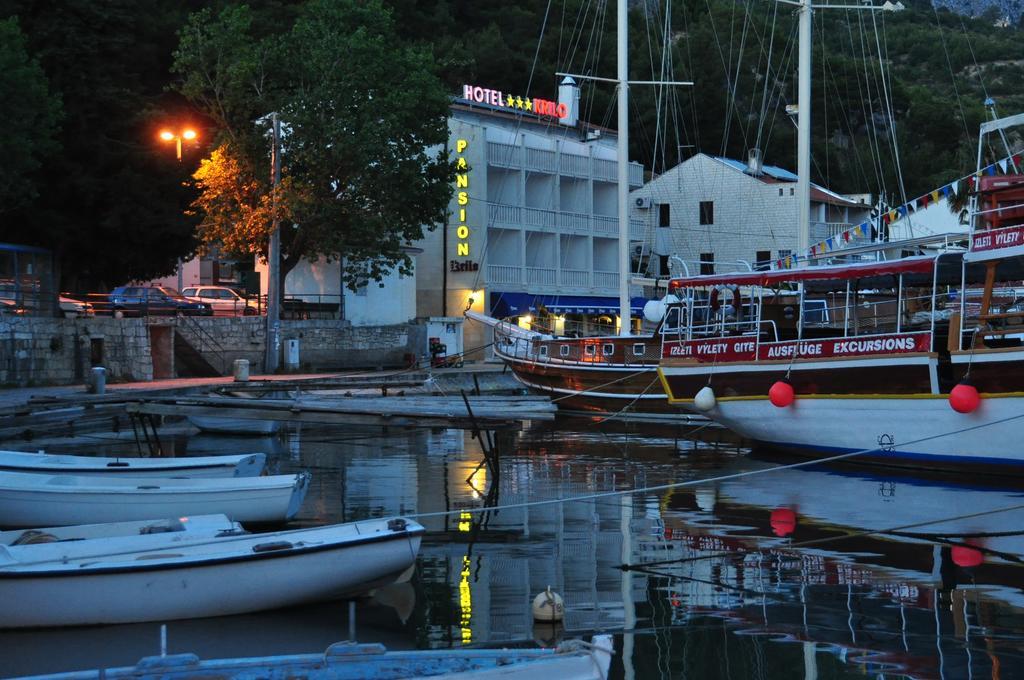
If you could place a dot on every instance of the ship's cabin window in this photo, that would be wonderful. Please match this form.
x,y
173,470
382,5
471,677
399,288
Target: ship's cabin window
x,y
543,351
671,324
608,349
815,313
638,350
589,350
564,350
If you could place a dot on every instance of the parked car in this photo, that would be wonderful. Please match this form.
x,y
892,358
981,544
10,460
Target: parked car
x,y
154,300
71,308
224,301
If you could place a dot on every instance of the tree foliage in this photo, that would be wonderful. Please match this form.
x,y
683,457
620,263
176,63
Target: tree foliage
x,y
364,121
111,196
30,113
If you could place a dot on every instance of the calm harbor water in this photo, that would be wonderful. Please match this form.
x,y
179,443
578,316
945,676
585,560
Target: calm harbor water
x,y
812,572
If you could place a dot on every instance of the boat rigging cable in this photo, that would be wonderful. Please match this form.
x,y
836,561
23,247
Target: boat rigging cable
x,y
719,478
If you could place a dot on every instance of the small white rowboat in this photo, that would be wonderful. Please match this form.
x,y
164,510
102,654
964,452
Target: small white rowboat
x,y
236,426
33,500
572,660
200,525
247,465
117,580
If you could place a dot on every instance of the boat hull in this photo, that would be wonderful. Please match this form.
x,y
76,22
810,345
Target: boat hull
x,y
235,426
901,431
628,391
351,661
28,500
246,465
149,591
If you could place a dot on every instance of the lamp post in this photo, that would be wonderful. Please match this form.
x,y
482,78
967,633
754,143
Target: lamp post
x,y
187,134
168,136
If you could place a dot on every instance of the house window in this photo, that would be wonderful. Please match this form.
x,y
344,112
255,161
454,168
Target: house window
x,y
638,350
763,260
791,191
664,210
707,212
780,191
563,350
707,263
608,349
589,350
543,351
784,253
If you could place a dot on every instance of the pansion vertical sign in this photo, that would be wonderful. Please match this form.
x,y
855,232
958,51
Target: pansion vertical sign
x,y
462,208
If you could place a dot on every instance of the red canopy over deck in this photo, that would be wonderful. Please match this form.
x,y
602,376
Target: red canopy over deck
x,y
907,265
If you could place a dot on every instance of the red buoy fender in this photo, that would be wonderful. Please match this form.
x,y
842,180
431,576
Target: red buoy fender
x,y
966,557
964,398
781,394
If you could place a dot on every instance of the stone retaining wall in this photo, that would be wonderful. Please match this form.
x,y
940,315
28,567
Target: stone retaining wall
x,y
38,351
41,351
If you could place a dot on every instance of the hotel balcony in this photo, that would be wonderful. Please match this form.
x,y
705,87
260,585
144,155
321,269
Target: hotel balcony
x,y
520,217
550,280
511,156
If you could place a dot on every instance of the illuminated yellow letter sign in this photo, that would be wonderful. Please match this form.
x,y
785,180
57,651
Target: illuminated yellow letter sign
x,y
462,182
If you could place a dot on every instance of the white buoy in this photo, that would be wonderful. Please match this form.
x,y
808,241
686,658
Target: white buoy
x,y
705,399
548,606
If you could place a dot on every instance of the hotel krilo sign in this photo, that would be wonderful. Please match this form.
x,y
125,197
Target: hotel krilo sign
x,y
515,103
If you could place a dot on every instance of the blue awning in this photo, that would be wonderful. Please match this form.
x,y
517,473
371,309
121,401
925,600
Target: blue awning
x,y
516,304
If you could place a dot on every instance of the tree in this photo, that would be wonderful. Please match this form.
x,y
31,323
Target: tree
x,y
111,196
30,113
364,128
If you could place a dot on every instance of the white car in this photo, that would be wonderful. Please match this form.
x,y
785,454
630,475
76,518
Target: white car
x,y
72,308
223,300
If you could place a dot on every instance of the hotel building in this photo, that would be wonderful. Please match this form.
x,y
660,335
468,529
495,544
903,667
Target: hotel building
x,y
532,225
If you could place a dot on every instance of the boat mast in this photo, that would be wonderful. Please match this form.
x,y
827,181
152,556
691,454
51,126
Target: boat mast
x,y
625,323
805,9
803,125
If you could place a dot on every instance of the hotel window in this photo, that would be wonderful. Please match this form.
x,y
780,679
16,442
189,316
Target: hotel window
x,y
664,210
564,350
707,212
707,263
763,260
784,253
608,349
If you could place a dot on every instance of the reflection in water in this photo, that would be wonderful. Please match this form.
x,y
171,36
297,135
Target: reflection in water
x,y
808,571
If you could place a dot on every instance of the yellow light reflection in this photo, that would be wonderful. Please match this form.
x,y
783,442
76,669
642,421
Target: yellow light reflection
x,y
188,134
465,521
478,482
465,602
166,135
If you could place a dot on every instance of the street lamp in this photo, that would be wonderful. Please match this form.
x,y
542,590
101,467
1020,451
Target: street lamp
x,y
187,134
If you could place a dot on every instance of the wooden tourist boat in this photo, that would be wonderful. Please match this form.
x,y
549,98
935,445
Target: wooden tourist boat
x,y
246,465
34,500
917,362
600,375
187,574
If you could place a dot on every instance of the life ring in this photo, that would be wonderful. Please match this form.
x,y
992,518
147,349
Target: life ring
x,y
715,303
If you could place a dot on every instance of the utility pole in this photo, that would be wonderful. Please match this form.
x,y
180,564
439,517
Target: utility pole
x,y
274,256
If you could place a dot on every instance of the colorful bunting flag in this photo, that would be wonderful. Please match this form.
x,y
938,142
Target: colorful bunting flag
x,y
935,196
990,170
